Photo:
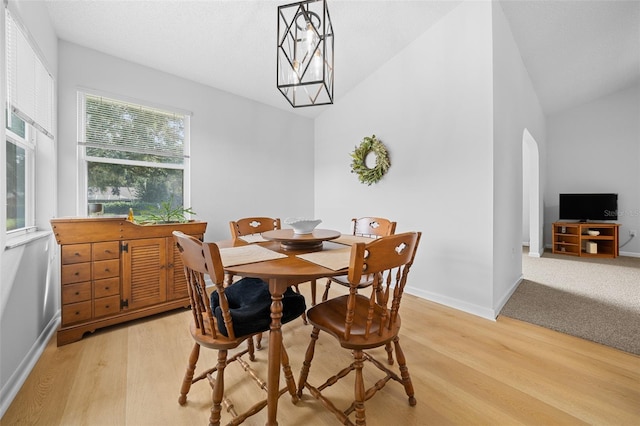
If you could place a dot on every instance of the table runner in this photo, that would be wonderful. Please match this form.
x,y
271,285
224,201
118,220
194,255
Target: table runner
x,y
247,254
335,260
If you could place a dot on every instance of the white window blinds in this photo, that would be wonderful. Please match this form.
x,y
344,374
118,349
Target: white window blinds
x,y
29,85
113,125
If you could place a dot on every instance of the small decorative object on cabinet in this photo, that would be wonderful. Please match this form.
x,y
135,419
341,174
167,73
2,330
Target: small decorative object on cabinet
x,y
113,271
587,239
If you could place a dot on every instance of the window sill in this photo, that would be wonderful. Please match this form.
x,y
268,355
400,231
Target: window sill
x,y
21,240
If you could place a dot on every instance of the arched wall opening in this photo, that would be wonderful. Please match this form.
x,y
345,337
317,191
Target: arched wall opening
x,y
531,196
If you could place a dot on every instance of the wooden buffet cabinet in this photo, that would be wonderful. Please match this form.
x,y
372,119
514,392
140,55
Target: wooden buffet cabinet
x,y
573,238
113,271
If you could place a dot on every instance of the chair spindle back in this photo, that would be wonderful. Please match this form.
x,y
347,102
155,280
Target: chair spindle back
x,y
389,259
202,259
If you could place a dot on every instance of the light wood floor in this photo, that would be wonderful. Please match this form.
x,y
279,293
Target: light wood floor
x,y
465,370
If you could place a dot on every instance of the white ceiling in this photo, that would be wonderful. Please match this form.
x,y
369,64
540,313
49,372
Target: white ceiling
x,y
575,51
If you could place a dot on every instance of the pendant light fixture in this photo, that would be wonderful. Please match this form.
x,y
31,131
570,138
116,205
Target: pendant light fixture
x,y
305,53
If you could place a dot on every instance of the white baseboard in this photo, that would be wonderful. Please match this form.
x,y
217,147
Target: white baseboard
x,y
17,379
507,296
461,305
629,254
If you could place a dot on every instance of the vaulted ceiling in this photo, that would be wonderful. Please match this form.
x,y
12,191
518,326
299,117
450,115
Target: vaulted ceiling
x,y
575,51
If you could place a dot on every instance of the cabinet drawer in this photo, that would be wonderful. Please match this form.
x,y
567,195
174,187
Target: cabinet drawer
x,y
76,312
106,269
106,306
108,250
107,287
73,293
76,273
76,253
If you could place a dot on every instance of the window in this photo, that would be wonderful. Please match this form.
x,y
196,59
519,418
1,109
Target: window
x,y
29,116
134,156
20,153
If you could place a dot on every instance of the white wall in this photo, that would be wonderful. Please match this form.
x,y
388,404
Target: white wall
x,y
29,289
241,151
431,105
596,148
516,109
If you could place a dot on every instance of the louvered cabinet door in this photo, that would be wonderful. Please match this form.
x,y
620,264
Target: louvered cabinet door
x,y
144,272
177,284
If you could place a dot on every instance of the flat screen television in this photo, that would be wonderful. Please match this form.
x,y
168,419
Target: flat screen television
x,y
589,207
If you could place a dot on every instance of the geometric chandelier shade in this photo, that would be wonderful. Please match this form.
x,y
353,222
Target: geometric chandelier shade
x,y
305,53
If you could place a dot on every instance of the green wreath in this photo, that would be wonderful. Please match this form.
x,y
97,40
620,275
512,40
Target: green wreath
x,y
359,155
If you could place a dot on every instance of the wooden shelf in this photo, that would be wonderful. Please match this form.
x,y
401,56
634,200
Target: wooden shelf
x,y
572,238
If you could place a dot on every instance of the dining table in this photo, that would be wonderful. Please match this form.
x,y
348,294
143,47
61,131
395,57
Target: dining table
x,y
283,262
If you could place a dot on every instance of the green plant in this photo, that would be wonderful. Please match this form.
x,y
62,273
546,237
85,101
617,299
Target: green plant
x,y
166,212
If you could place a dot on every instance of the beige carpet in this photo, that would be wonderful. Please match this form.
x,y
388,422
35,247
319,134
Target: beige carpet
x,y
595,299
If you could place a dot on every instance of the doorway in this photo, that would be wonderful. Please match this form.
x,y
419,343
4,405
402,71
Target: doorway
x,y
531,196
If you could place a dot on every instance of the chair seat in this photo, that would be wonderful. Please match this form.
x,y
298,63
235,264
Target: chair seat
x,y
207,340
329,317
250,306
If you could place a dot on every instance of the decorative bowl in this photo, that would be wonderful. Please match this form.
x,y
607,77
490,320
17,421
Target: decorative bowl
x,y
302,225
593,233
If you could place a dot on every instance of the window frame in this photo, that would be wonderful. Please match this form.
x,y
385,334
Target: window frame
x,y
84,159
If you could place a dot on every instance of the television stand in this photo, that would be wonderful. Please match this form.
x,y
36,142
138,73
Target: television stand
x,y
573,238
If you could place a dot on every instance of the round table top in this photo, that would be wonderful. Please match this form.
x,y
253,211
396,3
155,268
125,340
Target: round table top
x,y
291,268
286,235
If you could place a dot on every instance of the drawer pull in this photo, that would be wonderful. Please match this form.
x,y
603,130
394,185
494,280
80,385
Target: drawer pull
x,y
106,269
77,293
106,288
106,306
107,251
77,254
76,274
77,312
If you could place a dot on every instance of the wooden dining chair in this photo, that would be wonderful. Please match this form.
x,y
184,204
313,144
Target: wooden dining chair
x,y
253,226
224,320
360,322
373,227
257,225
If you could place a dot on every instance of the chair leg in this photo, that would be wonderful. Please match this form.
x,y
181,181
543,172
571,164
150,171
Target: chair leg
x,y
188,376
251,349
404,372
325,295
218,390
306,365
359,392
258,341
228,280
313,292
288,375
304,314
389,350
